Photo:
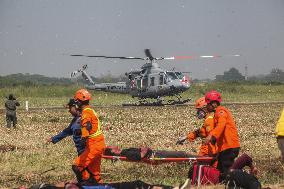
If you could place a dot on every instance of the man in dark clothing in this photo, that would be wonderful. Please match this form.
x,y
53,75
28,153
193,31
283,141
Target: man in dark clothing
x,y
74,129
238,178
11,106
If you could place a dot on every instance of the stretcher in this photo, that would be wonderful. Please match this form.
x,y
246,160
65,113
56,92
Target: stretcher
x,y
156,157
156,161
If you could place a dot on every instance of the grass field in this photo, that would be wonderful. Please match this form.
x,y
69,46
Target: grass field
x,y
41,96
33,161
29,160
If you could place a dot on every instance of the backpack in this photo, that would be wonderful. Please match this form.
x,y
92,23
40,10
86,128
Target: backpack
x,y
204,175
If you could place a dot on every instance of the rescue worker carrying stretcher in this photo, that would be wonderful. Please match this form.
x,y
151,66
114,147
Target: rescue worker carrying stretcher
x,y
224,134
202,113
87,166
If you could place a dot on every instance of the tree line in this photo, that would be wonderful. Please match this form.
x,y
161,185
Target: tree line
x,y
233,74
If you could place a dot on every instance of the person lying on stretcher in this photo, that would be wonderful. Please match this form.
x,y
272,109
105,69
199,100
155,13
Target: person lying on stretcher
x,y
137,154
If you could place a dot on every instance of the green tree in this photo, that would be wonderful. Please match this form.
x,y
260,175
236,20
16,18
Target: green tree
x,y
276,75
232,75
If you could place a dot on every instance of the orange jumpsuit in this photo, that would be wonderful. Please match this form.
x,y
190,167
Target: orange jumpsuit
x,y
225,130
208,125
227,138
89,162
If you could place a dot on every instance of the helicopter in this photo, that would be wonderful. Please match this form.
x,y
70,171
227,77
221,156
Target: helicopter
x,y
150,82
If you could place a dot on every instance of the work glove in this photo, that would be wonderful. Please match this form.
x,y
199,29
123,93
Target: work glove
x,y
181,140
191,136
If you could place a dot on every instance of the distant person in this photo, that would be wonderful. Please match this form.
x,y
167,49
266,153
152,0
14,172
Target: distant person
x,y
11,106
73,129
280,135
224,134
208,124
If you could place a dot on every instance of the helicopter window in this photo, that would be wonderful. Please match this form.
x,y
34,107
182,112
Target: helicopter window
x,y
179,75
161,79
139,83
152,81
145,82
172,75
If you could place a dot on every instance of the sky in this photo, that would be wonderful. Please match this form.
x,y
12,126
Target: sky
x,y
37,36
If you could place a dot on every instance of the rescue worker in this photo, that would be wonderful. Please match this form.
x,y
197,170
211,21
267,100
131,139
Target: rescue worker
x,y
208,124
87,166
224,134
11,106
73,129
280,135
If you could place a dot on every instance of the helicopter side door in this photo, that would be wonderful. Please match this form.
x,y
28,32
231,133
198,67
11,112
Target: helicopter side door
x,y
145,83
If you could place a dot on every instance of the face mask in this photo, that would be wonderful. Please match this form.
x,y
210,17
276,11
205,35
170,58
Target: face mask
x,y
200,114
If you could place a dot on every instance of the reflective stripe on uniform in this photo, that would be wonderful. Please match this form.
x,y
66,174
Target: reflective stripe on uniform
x,y
99,131
211,117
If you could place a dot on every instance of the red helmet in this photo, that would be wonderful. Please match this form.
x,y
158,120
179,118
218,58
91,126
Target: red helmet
x,y
213,96
82,95
200,103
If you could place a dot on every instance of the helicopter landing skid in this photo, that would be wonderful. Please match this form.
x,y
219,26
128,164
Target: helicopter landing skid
x,y
145,103
158,103
177,102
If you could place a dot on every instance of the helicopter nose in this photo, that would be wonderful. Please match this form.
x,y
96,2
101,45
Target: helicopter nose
x,y
181,87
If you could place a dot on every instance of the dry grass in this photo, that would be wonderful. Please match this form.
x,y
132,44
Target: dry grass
x,y
32,161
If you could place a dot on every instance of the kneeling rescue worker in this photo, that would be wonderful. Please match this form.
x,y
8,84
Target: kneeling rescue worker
x,y
225,133
208,124
87,166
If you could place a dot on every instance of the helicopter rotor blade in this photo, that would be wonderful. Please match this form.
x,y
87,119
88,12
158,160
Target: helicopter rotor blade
x,y
150,57
198,57
119,57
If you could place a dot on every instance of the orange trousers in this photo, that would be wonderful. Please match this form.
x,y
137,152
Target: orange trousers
x,y
89,162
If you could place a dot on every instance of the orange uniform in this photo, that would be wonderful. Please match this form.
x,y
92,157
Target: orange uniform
x,y
203,132
225,130
89,161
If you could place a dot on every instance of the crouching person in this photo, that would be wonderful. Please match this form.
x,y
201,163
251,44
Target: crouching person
x,y
238,177
235,178
208,124
87,166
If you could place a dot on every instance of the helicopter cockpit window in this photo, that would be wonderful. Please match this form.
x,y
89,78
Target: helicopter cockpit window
x,y
152,81
179,75
172,75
